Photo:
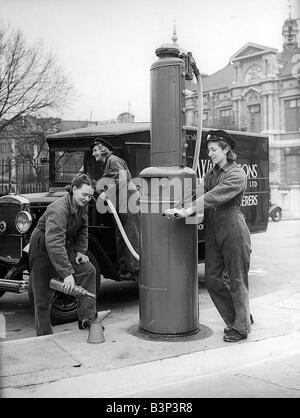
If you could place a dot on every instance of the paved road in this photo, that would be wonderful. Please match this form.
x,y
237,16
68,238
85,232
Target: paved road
x,y
275,265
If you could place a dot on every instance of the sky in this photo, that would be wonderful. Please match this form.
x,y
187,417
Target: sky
x,y
106,47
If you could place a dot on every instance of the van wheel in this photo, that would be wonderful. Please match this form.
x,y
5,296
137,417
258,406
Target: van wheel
x,y
63,309
276,215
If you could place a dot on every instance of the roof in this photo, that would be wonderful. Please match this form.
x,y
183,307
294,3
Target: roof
x,y
123,129
103,130
251,49
222,79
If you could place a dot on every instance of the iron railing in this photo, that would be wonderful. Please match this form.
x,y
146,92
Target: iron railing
x,y
23,177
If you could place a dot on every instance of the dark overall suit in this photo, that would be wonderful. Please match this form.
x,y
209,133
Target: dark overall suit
x,y
227,245
61,232
116,175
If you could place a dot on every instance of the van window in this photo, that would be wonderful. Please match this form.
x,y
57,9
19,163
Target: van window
x,y
67,165
138,157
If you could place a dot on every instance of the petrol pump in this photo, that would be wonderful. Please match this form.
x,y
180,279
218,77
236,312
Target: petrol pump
x,y
168,284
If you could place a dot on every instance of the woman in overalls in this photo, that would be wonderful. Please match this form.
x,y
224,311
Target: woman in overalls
x,y
57,249
227,237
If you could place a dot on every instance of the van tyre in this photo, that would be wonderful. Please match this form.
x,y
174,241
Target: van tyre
x,y
276,215
63,309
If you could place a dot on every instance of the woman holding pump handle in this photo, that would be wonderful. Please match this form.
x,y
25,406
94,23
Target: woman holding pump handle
x,y
227,236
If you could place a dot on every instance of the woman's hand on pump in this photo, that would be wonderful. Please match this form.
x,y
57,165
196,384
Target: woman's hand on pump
x,y
69,283
81,258
178,213
103,196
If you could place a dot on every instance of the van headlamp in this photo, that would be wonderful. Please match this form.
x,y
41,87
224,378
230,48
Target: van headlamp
x,y
23,221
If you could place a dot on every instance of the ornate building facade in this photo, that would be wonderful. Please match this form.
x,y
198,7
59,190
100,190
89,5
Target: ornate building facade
x,y
259,91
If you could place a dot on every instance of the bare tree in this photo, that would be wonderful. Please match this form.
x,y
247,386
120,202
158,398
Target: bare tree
x,y
30,82
30,136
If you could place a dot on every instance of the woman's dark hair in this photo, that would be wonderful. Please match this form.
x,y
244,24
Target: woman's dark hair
x,y
78,181
231,156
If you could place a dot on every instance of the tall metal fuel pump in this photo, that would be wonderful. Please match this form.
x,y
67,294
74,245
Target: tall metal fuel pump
x,y
168,287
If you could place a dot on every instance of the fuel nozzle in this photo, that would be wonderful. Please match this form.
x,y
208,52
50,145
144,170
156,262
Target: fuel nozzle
x,y
76,291
193,64
190,65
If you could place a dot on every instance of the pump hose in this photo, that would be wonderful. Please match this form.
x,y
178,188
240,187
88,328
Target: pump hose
x,y
196,166
200,118
120,226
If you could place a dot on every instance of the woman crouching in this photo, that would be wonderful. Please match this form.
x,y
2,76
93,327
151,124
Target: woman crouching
x,y
57,249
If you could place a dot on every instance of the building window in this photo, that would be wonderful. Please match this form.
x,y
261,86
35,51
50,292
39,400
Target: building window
x,y
205,119
293,169
254,108
292,115
225,113
4,148
253,74
294,103
255,118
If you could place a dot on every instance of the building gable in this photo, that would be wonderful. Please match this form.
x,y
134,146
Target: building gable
x,y
251,50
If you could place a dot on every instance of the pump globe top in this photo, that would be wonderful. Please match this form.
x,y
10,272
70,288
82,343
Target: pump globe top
x,y
168,50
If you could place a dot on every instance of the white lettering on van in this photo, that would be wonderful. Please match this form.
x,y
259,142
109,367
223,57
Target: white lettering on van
x,y
205,166
250,200
250,170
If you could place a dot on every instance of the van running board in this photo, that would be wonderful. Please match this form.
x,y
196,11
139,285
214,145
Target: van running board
x,y
14,286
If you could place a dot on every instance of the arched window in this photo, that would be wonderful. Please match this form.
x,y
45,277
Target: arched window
x,y
254,73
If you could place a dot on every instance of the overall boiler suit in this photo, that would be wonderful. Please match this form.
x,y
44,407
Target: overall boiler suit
x,y
61,232
227,245
115,170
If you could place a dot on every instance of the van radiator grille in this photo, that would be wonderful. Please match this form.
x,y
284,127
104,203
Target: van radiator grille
x,y
10,240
